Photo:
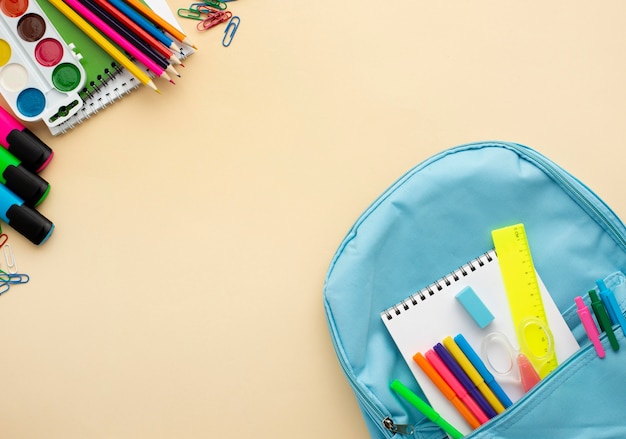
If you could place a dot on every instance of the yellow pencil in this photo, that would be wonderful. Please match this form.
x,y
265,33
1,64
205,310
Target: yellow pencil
x,y
107,46
159,21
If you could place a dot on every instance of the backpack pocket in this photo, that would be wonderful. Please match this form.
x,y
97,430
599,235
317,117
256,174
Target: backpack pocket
x,y
571,402
584,397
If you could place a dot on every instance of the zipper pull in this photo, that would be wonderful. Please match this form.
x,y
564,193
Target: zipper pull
x,y
397,428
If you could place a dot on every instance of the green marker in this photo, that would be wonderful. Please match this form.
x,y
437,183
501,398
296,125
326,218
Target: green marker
x,y
603,318
26,184
427,410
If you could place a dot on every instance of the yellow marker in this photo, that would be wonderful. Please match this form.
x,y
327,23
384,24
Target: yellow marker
x,y
524,297
471,371
105,44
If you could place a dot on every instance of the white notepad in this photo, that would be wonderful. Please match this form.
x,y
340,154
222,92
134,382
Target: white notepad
x,y
425,318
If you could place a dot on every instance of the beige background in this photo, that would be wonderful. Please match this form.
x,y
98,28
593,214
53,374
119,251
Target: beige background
x,y
180,295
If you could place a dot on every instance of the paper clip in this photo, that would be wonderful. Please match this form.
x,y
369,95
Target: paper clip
x,y
214,19
4,287
3,239
10,259
18,278
232,24
216,4
192,14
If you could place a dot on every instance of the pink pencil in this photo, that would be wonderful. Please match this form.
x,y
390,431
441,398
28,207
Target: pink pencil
x,y
117,38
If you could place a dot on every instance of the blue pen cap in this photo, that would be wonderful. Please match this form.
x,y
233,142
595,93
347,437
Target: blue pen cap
x,y
607,299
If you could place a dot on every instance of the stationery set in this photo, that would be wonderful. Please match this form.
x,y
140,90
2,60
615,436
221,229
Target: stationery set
x,y
482,295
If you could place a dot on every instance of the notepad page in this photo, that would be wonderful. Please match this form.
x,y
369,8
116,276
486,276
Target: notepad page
x,y
421,326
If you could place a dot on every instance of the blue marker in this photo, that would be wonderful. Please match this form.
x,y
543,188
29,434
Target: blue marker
x,y
611,305
142,22
26,220
473,357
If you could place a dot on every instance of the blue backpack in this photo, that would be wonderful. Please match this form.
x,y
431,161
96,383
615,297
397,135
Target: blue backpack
x,y
437,217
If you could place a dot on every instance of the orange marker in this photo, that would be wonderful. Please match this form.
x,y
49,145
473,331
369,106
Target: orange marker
x,y
444,388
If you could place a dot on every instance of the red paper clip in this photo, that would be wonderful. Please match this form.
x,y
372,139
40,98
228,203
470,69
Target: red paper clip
x,y
214,19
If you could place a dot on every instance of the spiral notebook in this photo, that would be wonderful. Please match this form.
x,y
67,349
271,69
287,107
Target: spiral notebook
x,y
426,317
106,82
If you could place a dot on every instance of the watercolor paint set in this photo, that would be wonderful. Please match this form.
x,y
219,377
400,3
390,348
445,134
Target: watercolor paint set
x,y
40,75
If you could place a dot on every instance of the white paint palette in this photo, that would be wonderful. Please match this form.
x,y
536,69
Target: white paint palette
x,y
40,75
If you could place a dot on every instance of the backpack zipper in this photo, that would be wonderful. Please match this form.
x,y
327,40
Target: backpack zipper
x,y
373,409
565,180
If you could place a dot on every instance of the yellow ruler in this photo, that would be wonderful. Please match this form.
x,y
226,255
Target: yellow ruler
x,y
524,296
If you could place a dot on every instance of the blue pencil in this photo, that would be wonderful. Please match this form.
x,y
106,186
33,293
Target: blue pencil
x,y
144,24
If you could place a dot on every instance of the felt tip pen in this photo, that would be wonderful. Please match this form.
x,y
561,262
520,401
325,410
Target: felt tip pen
x,y
603,319
473,374
475,359
611,305
26,184
24,219
23,144
449,378
425,409
465,381
445,389
590,326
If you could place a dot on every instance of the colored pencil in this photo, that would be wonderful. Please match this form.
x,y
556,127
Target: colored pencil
x,y
131,37
105,44
145,24
117,38
159,21
138,30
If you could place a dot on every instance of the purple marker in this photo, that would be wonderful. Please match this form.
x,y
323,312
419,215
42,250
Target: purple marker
x,y
465,380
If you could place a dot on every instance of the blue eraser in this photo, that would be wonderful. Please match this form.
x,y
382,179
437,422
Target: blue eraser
x,y
474,307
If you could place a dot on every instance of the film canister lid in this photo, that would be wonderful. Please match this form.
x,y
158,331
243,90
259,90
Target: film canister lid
x,y
30,223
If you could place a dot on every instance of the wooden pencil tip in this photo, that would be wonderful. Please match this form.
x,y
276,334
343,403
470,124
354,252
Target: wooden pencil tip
x,y
172,70
172,82
152,86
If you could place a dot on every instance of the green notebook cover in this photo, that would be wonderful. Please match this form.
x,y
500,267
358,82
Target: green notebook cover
x,y
98,65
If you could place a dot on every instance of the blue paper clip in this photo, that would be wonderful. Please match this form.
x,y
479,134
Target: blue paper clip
x,y
234,24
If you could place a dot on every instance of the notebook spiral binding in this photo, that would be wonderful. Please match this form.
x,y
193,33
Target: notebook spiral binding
x,y
439,284
112,85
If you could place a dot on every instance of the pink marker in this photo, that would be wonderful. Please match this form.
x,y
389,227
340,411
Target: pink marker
x,y
23,144
590,327
95,21
456,386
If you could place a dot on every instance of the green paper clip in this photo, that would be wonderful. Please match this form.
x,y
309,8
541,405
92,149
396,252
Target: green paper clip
x,y
215,4
192,14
